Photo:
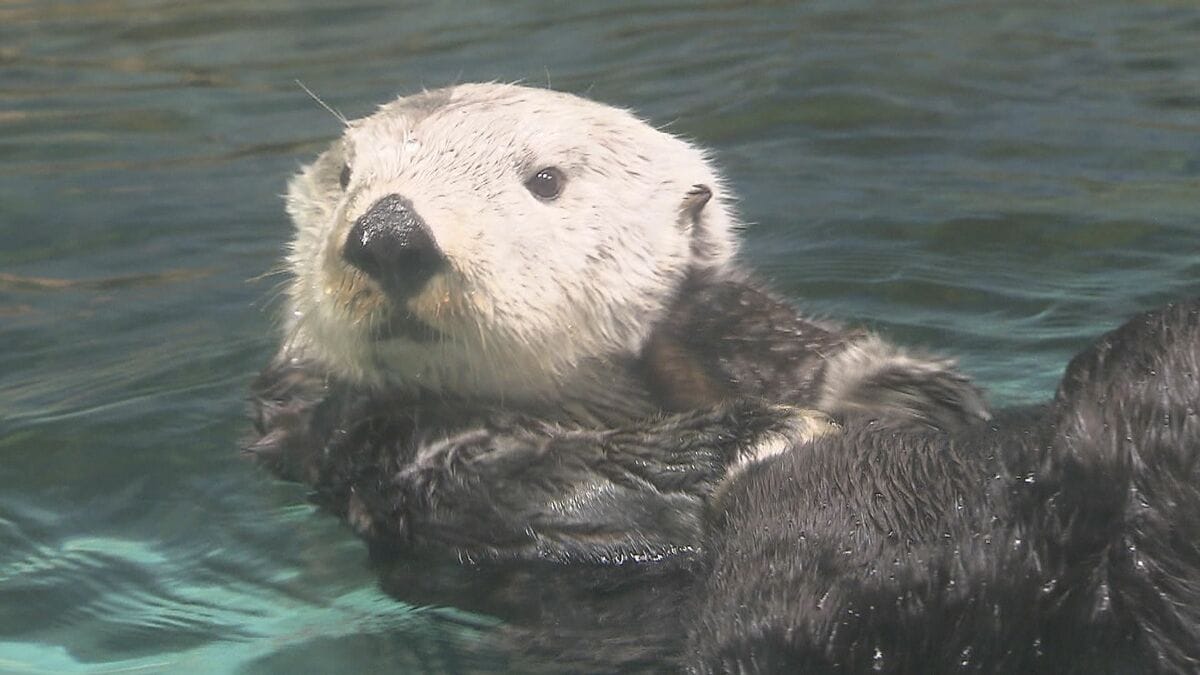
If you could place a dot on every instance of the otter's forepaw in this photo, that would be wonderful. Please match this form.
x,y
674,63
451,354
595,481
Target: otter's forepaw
x,y
873,378
284,404
777,429
381,508
445,460
792,426
454,450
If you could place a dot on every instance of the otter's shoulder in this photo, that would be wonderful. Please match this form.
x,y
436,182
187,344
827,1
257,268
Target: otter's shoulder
x,y
727,335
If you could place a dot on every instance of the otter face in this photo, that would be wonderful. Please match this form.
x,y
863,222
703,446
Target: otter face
x,y
494,239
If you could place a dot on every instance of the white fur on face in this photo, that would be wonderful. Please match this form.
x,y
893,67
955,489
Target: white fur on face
x,y
533,290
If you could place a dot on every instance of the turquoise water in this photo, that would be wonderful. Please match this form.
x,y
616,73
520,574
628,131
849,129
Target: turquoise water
x,y
999,179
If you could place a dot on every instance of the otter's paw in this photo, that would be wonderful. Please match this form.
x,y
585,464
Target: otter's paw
x,y
438,488
874,378
453,460
777,429
284,403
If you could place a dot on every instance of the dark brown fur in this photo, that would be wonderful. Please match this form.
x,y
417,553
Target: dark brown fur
x,y
589,497
727,338
389,462
1064,539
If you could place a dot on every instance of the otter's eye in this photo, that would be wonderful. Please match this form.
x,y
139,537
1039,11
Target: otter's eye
x,y
546,183
344,176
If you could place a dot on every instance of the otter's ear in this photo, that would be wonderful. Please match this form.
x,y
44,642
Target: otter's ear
x,y
312,193
709,225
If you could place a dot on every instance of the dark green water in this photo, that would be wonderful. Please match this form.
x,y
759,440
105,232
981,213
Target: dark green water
x,y
999,179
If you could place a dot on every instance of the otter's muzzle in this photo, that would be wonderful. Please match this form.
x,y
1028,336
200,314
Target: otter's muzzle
x,y
392,245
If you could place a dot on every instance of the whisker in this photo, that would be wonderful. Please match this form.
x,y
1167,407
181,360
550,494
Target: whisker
x,y
275,270
342,118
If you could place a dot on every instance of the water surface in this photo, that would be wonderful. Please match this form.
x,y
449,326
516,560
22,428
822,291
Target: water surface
x,y
999,179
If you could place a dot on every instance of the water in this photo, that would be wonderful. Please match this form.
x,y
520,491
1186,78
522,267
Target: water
x,y
1000,179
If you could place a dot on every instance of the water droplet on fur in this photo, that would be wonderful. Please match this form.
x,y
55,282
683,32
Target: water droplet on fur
x,y
1104,601
1138,561
1141,498
822,599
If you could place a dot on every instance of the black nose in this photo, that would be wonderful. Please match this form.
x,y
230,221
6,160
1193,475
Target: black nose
x,y
392,245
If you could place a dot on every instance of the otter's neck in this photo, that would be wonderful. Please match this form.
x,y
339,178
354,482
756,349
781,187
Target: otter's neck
x,y
725,336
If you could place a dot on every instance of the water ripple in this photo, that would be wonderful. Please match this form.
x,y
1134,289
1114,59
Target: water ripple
x,y
996,180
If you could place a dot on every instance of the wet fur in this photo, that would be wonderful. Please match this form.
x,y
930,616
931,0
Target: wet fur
x,y
601,473
1058,538
616,406
1061,539
616,311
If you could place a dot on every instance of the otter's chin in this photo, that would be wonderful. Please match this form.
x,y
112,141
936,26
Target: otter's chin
x,y
403,326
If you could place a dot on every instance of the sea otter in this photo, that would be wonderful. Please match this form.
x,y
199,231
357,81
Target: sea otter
x,y
516,333
516,328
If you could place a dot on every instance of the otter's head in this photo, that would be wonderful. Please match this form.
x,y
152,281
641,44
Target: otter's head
x,y
494,239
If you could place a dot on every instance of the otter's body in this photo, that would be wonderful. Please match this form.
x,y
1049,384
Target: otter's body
x,y
517,337
507,304
1059,539
731,373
